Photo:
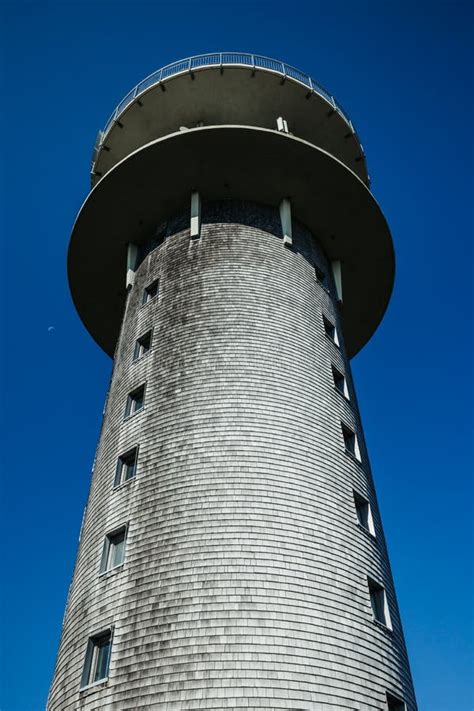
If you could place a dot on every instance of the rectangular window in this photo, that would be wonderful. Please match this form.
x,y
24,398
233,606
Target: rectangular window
x,y
135,401
320,276
394,703
142,345
113,553
364,513
126,466
150,292
340,382
96,665
330,331
378,601
350,441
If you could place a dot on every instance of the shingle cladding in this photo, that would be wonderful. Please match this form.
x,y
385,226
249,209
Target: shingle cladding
x,y
244,584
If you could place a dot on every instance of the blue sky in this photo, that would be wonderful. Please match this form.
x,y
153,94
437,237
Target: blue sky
x,y
401,70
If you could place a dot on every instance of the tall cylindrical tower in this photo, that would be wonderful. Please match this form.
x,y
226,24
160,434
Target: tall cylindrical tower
x,y
231,258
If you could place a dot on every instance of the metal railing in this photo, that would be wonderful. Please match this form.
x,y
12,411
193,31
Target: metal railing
x,y
219,59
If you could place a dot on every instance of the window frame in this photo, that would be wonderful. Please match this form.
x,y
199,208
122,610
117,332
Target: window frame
x,y
130,400
108,547
119,479
330,329
147,296
379,603
354,452
337,376
394,703
360,503
138,345
92,658
321,277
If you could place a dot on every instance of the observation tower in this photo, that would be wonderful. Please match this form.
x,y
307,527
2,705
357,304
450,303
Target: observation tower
x,y
231,259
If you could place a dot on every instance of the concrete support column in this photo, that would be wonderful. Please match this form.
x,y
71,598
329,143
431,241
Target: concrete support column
x,y
285,217
132,251
195,226
337,274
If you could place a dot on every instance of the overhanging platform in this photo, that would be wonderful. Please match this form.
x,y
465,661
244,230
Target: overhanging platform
x,y
155,182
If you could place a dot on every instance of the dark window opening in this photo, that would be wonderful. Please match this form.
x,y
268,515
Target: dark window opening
x,y
340,382
150,292
96,665
142,345
378,601
364,513
330,330
350,441
113,553
126,466
395,704
320,276
135,401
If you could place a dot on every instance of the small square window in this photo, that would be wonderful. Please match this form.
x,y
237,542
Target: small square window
x,y
142,345
113,553
126,467
364,513
340,382
394,703
350,441
320,276
378,601
330,330
135,401
150,292
96,665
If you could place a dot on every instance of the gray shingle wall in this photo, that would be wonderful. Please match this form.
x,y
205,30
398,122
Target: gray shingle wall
x,y
245,579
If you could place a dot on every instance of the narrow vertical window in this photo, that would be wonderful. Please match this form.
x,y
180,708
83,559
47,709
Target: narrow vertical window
x,y
96,665
364,513
135,401
142,345
330,330
350,441
126,466
340,382
320,276
113,553
378,601
150,292
394,703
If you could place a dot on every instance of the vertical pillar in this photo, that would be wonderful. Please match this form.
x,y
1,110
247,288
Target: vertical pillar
x,y
195,215
132,251
285,217
337,274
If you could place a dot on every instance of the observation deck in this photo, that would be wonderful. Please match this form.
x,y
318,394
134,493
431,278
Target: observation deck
x,y
213,124
227,88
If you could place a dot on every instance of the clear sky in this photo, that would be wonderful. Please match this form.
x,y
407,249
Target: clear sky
x,y
401,70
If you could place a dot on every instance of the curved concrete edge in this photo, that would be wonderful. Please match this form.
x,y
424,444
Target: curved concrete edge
x,y
155,182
